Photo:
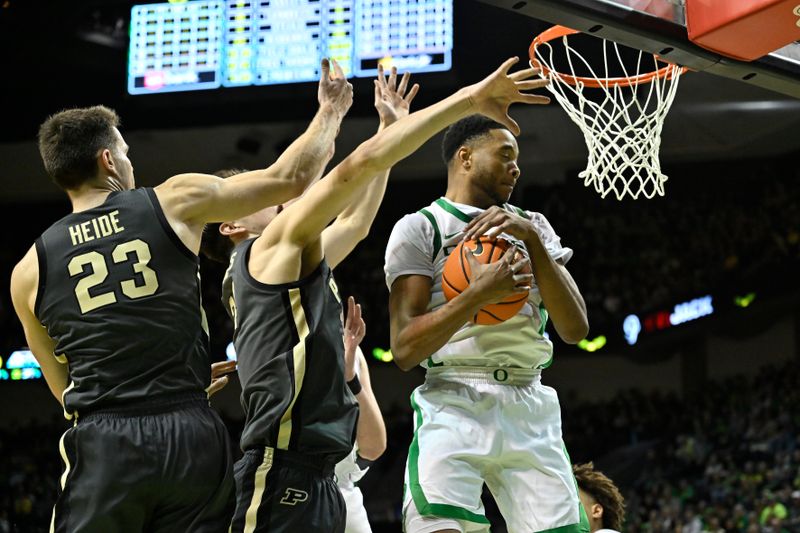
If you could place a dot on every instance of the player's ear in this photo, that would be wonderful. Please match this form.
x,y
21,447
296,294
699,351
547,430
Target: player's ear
x,y
230,229
464,157
105,162
596,511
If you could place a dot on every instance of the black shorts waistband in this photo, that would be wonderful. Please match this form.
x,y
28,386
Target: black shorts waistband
x,y
308,463
151,406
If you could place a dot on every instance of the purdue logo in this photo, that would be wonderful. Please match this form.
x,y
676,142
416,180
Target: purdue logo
x,y
294,496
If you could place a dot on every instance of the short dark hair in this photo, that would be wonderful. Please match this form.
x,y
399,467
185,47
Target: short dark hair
x,y
604,491
464,131
215,245
70,140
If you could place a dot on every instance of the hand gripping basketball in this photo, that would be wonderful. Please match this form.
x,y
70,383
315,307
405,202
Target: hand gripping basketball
x,y
487,264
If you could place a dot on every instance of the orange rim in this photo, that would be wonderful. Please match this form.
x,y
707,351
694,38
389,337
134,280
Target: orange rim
x,y
560,31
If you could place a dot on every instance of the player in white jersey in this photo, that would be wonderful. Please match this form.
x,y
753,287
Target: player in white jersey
x,y
370,432
483,415
601,498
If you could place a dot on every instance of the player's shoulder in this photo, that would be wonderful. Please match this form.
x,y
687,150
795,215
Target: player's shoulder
x,y
25,274
418,222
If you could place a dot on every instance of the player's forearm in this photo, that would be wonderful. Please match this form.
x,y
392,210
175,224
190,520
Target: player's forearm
x,y
353,225
423,335
307,156
371,431
560,295
405,136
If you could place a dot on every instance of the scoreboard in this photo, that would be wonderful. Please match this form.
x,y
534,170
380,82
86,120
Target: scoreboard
x,y
206,44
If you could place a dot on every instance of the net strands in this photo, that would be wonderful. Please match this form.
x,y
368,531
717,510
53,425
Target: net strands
x,y
621,125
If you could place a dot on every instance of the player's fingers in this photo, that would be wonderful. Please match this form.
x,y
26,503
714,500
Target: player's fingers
x,y
337,69
527,85
325,69
381,76
217,385
524,279
403,85
508,257
357,314
392,82
377,91
412,93
519,265
532,99
524,73
509,122
507,64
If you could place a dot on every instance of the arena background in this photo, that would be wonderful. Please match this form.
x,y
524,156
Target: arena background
x,y
696,421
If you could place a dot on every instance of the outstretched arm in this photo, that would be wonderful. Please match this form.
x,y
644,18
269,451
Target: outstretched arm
x,y
371,430
303,222
191,200
24,285
353,225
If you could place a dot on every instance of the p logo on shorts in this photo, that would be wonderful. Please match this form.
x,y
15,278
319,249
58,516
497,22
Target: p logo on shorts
x,y
294,496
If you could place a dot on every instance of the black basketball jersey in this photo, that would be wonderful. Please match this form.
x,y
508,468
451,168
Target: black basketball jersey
x,y
290,352
120,294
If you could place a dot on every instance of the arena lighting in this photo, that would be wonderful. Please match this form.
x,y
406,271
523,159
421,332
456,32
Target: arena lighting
x,y
631,327
744,301
21,365
230,352
683,312
592,345
382,355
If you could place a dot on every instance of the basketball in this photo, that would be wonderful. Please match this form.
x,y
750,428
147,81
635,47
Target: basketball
x,y
456,276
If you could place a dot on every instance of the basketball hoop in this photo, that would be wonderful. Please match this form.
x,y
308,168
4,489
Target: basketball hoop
x,y
621,123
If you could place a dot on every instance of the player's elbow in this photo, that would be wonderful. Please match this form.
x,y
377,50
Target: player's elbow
x,y
372,449
575,332
402,358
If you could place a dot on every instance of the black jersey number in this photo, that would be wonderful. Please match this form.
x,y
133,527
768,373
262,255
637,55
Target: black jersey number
x,y
99,272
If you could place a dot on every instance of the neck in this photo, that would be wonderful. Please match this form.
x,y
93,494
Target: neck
x,y
93,193
463,192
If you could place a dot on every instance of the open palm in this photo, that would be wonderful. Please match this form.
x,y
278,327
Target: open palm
x,y
391,99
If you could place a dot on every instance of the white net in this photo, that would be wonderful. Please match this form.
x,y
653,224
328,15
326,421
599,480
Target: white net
x,y
621,123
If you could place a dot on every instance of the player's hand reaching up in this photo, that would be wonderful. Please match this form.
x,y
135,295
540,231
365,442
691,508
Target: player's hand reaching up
x,y
354,330
492,282
391,99
334,89
497,220
493,95
218,377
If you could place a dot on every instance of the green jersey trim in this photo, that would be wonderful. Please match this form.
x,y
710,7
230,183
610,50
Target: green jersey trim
x,y
437,238
453,210
420,501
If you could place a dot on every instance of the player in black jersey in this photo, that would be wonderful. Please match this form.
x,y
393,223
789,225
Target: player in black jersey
x,y
109,298
301,417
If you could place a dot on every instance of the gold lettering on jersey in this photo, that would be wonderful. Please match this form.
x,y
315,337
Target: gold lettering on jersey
x,y
95,228
335,289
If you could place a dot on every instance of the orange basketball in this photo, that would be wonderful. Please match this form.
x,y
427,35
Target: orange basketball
x,y
456,275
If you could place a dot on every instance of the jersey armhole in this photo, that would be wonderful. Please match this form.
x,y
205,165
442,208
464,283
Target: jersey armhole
x,y
162,219
42,258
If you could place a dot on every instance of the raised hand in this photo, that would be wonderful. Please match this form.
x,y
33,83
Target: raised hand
x,y
334,89
494,94
391,99
354,331
495,281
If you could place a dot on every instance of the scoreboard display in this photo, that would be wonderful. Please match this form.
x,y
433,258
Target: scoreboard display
x,y
206,44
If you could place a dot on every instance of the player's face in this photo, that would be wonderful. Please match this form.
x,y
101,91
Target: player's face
x,y
122,164
495,170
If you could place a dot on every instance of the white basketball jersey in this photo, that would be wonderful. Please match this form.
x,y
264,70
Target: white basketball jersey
x,y
420,243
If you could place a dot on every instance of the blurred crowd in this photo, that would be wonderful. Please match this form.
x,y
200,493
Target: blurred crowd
x,y
724,460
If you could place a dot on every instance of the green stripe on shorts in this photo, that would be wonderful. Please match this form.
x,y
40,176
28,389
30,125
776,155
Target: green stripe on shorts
x,y
420,501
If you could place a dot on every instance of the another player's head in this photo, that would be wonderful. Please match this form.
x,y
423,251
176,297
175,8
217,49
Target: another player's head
x,y
220,238
481,154
83,148
601,499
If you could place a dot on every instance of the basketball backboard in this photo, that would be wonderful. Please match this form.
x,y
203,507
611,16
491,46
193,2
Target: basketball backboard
x,y
659,27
